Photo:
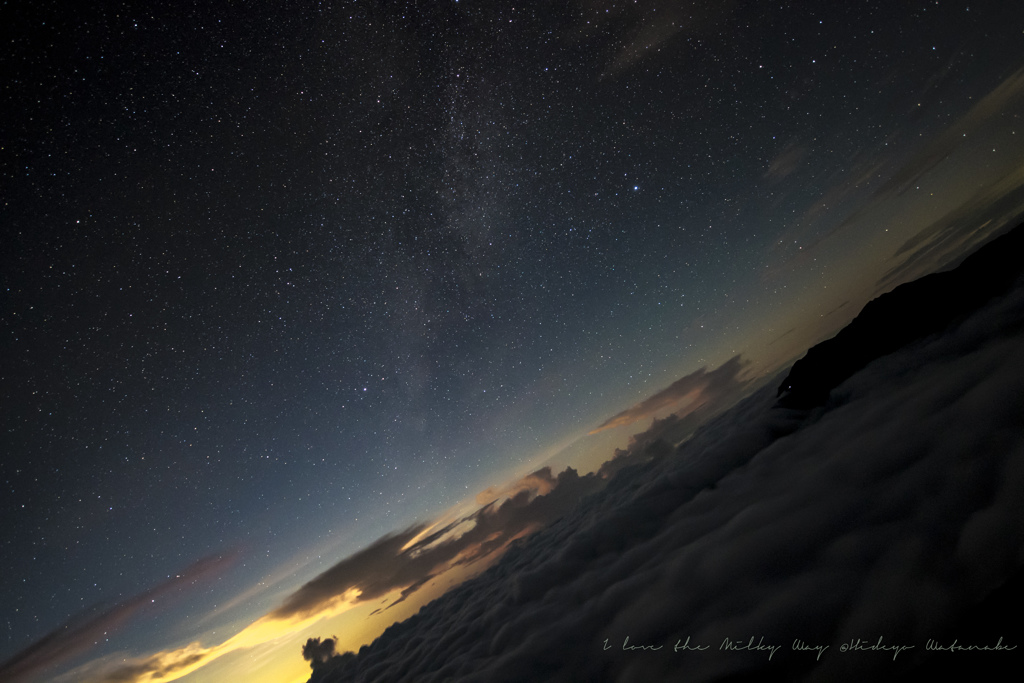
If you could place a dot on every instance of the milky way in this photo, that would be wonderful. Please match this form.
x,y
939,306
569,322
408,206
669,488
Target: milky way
x,y
280,281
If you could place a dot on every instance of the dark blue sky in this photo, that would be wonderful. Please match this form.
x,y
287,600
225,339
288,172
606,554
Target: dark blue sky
x,y
283,279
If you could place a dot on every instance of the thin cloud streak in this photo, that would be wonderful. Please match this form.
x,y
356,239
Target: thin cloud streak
x,y
82,633
406,561
890,511
702,386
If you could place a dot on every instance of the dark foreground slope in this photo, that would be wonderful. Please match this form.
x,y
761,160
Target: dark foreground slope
x,y
911,311
886,518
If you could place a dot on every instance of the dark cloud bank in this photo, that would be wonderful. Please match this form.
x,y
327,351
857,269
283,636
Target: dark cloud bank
x,y
893,510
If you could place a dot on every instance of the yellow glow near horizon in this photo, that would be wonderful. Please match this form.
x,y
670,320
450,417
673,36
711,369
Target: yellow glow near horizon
x,y
269,650
281,660
173,665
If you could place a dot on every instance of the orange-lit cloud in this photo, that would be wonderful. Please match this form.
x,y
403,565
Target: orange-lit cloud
x,y
170,665
402,563
82,633
787,161
700,386
998,199
372,571
163,666
757,506
396,563
539,483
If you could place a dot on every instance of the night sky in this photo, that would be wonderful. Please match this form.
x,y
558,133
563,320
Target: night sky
x,y
278,280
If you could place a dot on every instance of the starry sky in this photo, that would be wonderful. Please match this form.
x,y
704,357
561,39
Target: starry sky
x,y
280,279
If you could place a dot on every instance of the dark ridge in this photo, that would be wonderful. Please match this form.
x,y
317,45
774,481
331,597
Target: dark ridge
x,y
909,312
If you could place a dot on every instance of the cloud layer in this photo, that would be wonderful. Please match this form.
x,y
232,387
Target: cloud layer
x,y
405,561
700,387
889,513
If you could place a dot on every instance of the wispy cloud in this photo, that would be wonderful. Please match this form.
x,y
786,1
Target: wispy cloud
x,y
939,148
887,514
701,386
404,562
642,28
959,231
83,632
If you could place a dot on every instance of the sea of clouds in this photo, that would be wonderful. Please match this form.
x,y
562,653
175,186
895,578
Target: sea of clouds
x,y
887,513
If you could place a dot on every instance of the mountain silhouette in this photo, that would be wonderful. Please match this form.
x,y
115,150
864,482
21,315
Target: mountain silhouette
x,y
909,312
